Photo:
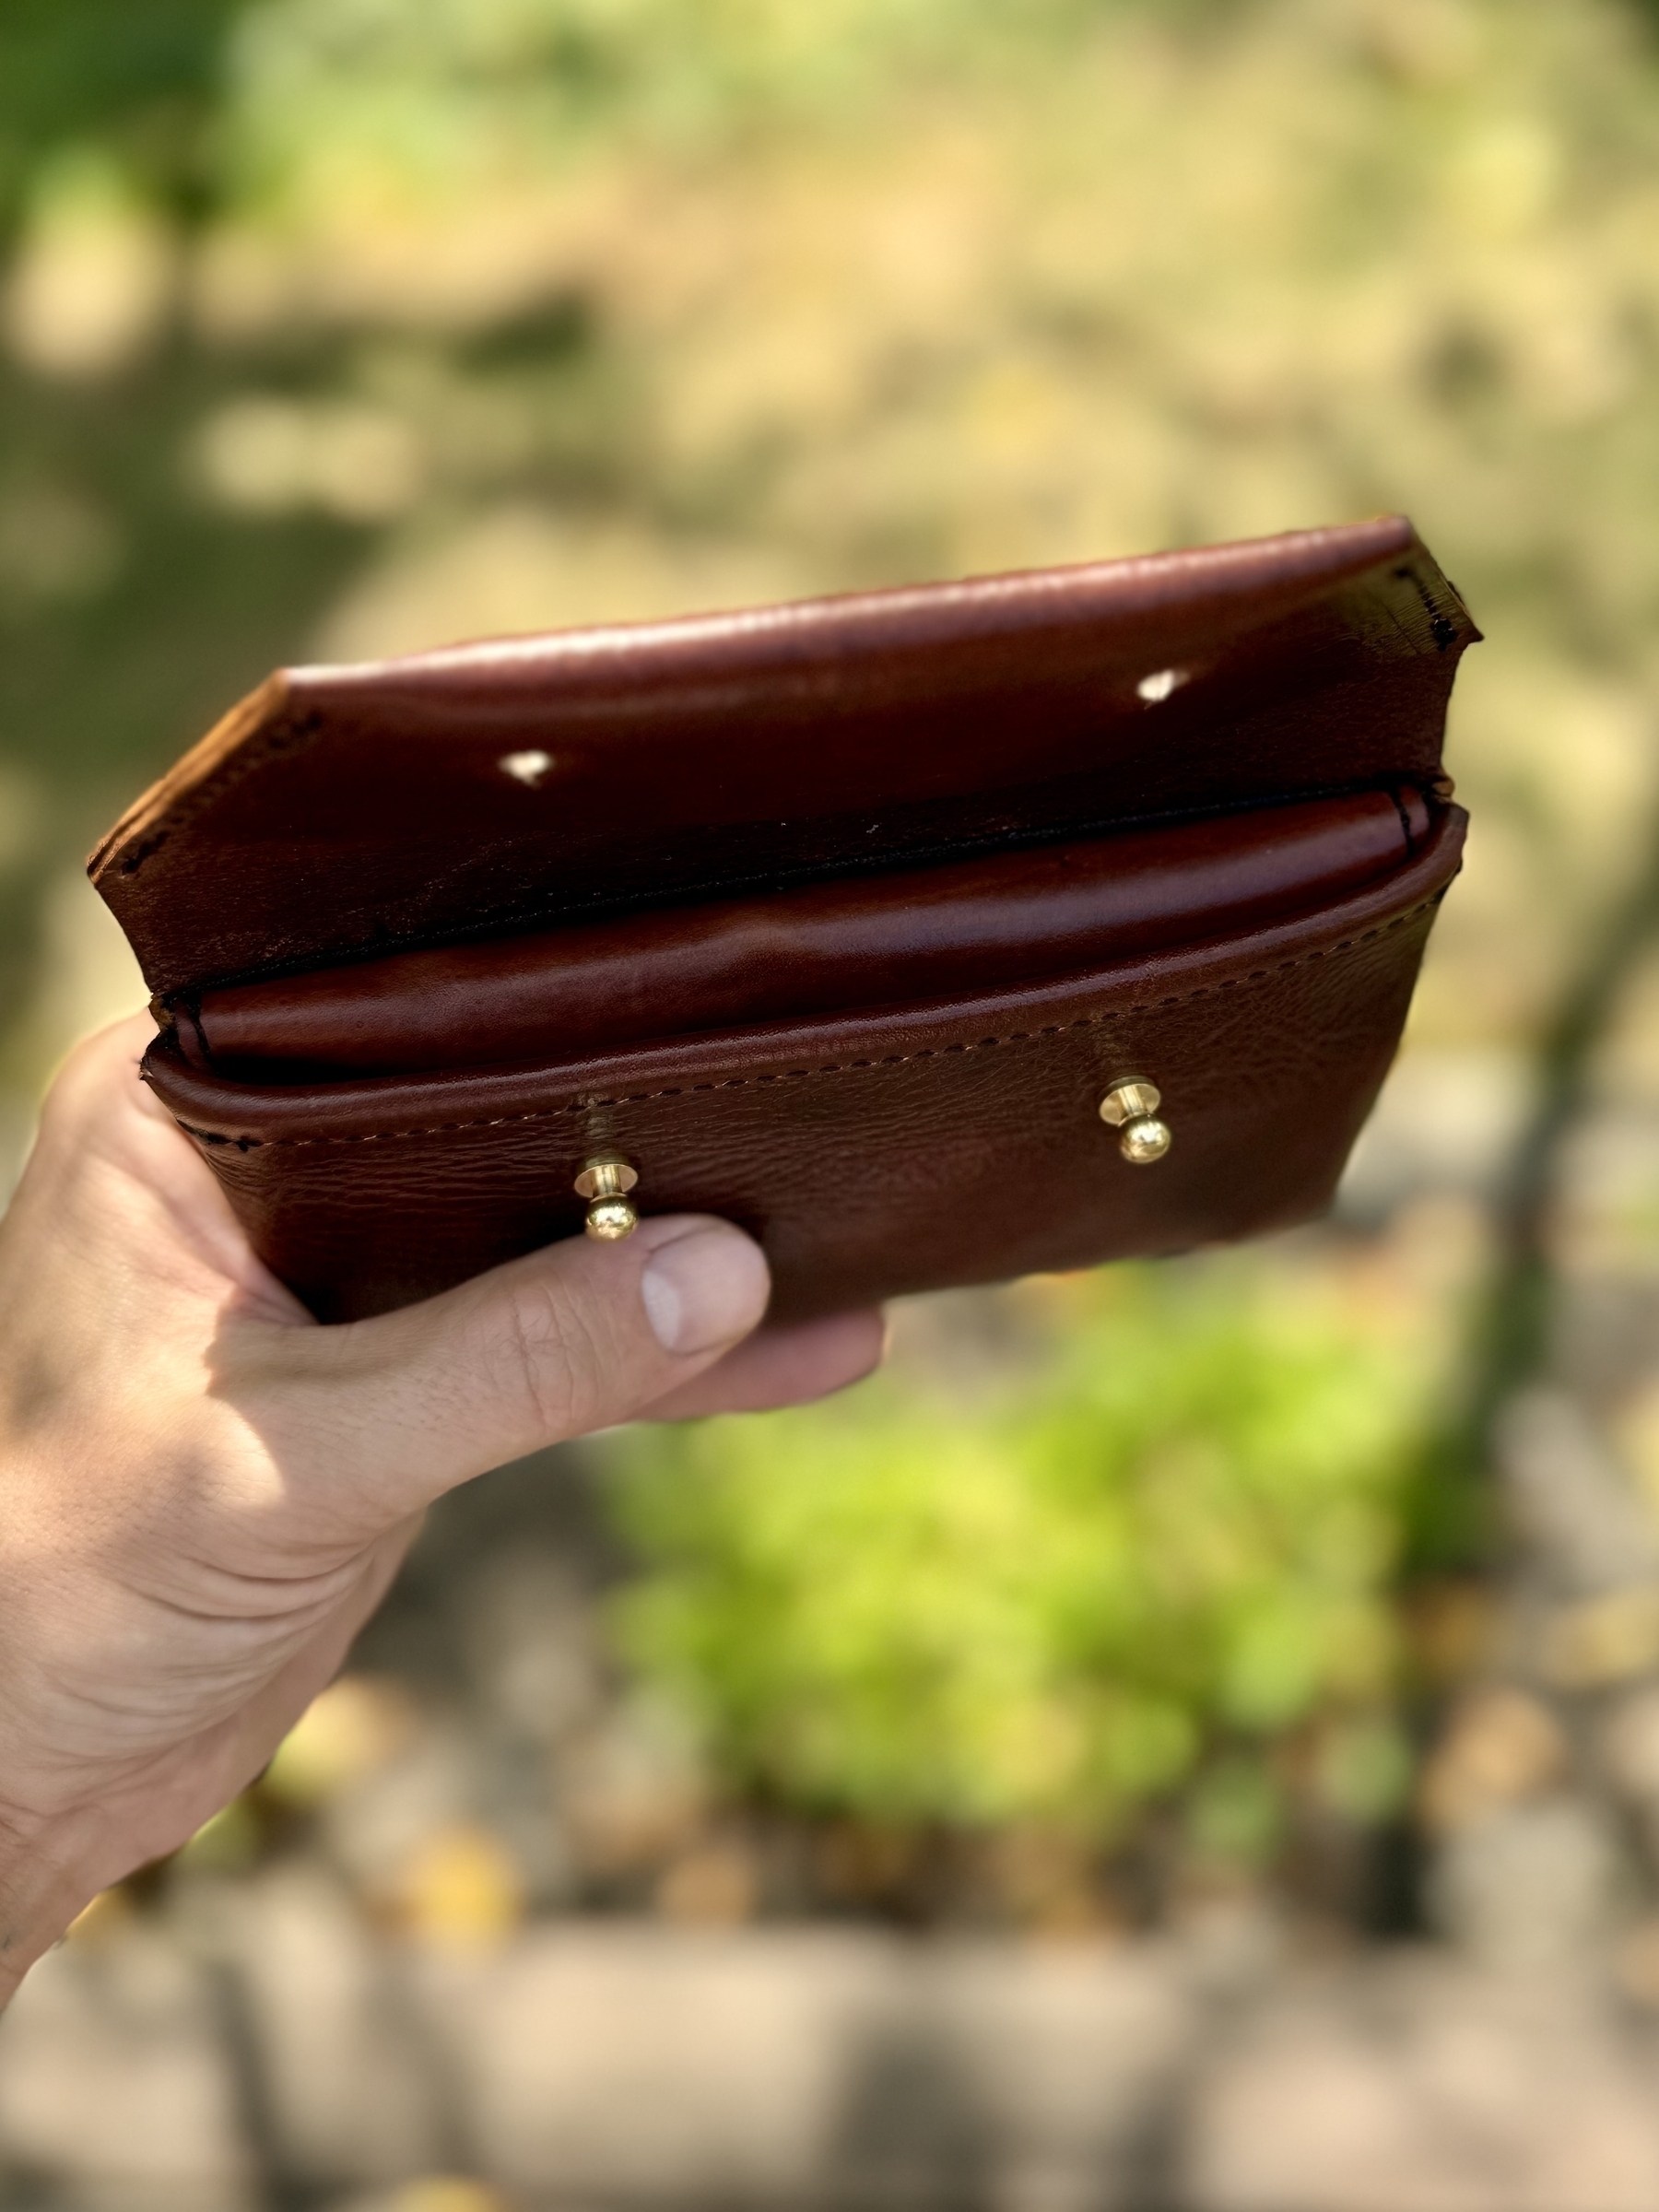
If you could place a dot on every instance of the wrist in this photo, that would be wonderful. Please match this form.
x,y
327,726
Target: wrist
x,y
43,1885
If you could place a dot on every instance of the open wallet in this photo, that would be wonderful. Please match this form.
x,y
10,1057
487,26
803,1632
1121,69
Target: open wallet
x,y
932,935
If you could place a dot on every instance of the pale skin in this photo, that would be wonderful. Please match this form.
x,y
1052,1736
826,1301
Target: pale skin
x,y
204,1494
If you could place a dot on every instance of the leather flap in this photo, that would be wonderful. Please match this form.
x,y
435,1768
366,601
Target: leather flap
x,y
343,811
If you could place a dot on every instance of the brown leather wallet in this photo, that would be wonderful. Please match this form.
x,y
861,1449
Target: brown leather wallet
x,y
935,935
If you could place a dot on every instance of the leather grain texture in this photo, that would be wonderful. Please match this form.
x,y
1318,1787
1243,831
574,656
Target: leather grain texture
x,y
339,813
937,1145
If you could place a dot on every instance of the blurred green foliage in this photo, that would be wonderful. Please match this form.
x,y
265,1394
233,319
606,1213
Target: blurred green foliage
x,y
1118,1571
354,88
142,80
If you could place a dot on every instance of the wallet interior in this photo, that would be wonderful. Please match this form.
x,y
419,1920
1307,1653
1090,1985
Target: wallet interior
x,y
847,945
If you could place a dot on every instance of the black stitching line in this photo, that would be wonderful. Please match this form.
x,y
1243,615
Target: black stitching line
x,y
838,1068
288,734
1442,627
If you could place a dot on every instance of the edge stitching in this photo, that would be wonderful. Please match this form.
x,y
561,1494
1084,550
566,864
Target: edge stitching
x,y
838,1068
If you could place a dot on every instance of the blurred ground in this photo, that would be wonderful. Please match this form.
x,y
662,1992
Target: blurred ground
x,y
599,2065
332,327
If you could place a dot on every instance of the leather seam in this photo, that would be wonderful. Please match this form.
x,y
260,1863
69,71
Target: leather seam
x,y
287,735
836,1067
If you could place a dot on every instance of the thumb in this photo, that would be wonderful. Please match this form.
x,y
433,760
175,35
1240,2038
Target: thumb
x,y
392,1412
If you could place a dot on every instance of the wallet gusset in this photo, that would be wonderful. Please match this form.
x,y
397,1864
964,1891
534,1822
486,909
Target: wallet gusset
x,y
952,934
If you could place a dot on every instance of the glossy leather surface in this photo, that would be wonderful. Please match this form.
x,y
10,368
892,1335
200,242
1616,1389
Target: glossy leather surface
x,y
931,1145
949,1135
867,941
343,812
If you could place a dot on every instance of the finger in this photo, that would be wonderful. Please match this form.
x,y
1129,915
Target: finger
x,y
782,1367
116,1189
378,1417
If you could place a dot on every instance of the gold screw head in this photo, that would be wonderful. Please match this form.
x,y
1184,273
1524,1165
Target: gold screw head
x,y
611,1219
605,1176
1132,1105
1145,1140
1130,1097
606,1181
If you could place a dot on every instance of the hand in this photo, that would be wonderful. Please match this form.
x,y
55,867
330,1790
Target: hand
x,y
204,1494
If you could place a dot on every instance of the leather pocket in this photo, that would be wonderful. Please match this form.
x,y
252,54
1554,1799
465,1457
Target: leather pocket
x,y
955,1141
995,921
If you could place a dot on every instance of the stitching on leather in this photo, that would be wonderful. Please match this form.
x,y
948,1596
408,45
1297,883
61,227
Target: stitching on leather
x,y
836,1067
288,734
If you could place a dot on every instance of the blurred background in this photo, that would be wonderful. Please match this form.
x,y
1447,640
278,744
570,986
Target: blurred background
x,y
1186,1740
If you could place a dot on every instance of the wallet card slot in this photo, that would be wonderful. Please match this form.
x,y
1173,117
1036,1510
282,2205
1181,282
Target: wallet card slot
x,y
833,947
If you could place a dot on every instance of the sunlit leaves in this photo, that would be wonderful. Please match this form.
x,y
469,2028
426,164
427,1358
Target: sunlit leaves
x,y
1168,1541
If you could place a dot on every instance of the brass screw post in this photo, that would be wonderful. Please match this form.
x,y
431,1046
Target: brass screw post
x,y
605,1183
1132,1106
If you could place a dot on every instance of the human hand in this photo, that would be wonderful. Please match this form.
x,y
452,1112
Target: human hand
x,y
204,1494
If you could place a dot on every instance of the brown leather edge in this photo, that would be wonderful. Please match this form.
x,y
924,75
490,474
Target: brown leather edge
x,y
147,820
1303,563
219,1111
